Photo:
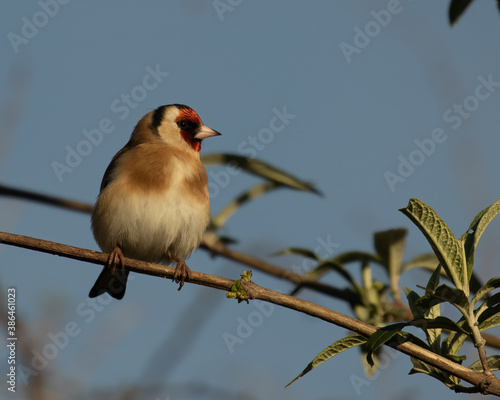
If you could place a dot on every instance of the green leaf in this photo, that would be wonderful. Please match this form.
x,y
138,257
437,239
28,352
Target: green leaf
x,y
433,283
332,350
427,261
412,298
337,262
258,168
437,323
433,335
493,283
251,194
237,291
490,318
488,304
424,368
457,8
448,249
380,337
477,227
390,246
297,251
370,370
455,340
443,293
457,359
454,343
338,268
493,362
474,283
356,256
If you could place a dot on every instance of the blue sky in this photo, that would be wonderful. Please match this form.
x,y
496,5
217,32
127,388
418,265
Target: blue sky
x,y
414,100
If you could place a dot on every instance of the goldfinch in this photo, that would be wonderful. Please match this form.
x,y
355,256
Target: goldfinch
x,y
153,203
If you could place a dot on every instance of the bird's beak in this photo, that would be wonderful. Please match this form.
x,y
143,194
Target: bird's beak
x,y
205,132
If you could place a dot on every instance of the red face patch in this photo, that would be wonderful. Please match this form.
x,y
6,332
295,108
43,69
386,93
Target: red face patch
x,y
190,115
191,120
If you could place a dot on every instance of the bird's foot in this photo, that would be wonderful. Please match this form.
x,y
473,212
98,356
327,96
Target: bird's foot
x,y
115,260
113,277
182,272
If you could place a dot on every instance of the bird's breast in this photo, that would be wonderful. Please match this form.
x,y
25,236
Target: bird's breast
x,y
153,206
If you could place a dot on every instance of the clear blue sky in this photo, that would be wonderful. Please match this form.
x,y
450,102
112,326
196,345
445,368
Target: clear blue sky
x,y
363,103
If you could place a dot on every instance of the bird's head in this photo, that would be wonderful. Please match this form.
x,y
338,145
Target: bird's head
x,y
174,124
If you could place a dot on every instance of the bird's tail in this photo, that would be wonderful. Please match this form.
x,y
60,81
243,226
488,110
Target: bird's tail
x,y
112,281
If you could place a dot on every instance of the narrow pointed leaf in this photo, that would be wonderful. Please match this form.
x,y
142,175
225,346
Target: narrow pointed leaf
x,y
433,335
493,362
370,370
258,168
340,260
437,323
380,337
443,293
477,227
412,298
457,8
427,261
297,251
474,283
357,256
251,194
488,304
332,350
448,249
338,268
455,343
433,283
455,340
424,368
483,290
390,247
432,332
490,318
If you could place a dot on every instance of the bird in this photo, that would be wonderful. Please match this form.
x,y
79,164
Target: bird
x,y
153,204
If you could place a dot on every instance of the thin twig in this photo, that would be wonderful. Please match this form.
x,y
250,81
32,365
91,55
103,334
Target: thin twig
x,y
45,199
487,384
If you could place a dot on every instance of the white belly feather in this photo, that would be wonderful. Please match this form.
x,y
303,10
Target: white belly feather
x,y
149,227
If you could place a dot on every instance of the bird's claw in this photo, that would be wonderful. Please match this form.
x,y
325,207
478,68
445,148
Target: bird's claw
x,y
182,273
115,260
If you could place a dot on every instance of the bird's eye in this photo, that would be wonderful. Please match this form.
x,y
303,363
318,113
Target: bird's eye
x,y
187,125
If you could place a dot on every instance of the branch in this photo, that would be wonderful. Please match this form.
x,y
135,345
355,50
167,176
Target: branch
x,y
49,200
486,384
217,248
209,243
